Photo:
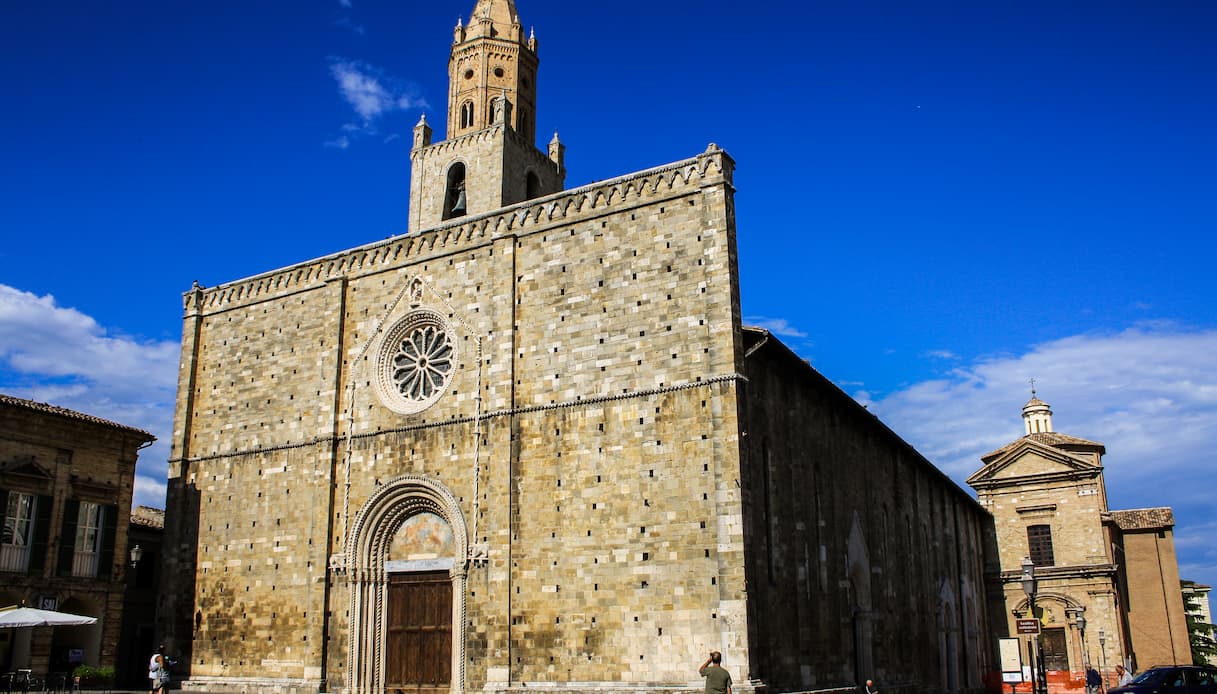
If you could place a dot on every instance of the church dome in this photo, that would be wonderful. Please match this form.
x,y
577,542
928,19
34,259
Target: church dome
x,y
1037,416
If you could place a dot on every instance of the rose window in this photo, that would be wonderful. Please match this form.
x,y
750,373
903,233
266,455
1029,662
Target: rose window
x,y
422,363
415,363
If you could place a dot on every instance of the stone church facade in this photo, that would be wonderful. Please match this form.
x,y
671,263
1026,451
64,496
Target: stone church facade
x,y
531,444
1114,568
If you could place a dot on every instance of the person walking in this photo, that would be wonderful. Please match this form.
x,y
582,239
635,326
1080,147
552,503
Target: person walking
x,y
158,671
1093,680
1125,677
718,680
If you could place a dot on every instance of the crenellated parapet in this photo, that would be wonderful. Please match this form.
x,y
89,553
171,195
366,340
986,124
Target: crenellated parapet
x,y
445,148
686,177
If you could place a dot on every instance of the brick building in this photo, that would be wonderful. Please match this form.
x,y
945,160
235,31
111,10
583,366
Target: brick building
x,y
65,489
531,444
1117,569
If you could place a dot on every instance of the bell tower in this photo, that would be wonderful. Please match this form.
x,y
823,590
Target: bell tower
x,y
492,62
490,159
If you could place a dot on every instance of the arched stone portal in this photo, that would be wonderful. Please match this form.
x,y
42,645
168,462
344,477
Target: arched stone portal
x,y
411,526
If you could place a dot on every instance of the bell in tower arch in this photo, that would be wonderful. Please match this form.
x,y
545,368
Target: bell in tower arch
x,y
455,201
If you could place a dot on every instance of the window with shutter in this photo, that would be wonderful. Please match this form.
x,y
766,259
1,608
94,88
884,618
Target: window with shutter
x,y
1039,542
17,534
87,547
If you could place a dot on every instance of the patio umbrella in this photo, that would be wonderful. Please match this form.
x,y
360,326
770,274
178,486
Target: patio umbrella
x,y
14,617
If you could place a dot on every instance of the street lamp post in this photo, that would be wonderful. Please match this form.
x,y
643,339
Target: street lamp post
x,y
1080,620
1038,684
1103,656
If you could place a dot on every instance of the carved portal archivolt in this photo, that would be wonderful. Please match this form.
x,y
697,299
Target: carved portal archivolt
x,y
370,549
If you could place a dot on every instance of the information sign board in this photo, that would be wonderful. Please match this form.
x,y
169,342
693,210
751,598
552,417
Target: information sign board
x,y
1028,627
1011,660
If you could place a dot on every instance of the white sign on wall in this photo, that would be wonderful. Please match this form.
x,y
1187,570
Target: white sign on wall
x,y
1011,660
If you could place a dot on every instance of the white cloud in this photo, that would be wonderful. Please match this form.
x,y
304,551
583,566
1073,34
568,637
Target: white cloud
x,y
371,94
1195,548
1149,394
363,91
942,354
777,326
50,353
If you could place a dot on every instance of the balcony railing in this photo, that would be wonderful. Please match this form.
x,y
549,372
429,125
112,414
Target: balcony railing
x,y
14,558
84,564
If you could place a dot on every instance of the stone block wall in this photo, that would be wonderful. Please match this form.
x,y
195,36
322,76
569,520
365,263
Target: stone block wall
x,y
600,327
497,163
1071,507
865,561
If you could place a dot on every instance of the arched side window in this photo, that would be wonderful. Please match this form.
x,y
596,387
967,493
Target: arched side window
x,y
532,186
467,114
455,203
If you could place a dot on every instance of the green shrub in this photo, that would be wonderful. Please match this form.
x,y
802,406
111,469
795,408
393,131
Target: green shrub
x,y
89,674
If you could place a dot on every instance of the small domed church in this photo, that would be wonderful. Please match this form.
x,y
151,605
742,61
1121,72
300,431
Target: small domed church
x,y
1103,583
530,444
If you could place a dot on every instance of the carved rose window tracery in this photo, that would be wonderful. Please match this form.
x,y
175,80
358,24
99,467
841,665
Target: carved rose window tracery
x,y
415,362
422,363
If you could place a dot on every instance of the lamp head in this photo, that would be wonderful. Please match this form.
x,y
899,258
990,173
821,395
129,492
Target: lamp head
x,y
1028,578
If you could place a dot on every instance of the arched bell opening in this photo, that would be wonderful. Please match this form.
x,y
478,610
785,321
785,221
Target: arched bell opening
x,y
467,115
532,186
455,200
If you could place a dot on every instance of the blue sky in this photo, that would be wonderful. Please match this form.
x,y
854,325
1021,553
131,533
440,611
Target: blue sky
x,y
937,201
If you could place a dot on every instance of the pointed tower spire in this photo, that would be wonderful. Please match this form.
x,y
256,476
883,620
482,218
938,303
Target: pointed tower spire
x,y
501,15
492,58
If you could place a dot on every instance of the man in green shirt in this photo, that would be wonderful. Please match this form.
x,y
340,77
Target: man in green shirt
x,y
718,680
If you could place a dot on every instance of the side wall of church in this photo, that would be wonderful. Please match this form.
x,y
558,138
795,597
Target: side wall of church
x,y
865,560
1157,622
600,327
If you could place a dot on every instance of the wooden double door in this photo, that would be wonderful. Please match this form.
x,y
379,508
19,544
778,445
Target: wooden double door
x,y
1053,649
418,650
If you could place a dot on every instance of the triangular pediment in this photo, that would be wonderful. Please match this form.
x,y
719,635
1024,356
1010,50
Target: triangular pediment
x,y
25,466
1028,459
